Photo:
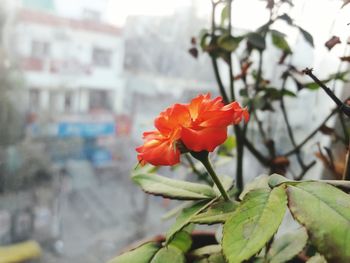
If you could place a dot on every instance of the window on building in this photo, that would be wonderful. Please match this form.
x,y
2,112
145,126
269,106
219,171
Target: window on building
x,y
40,49
100,99
101,57
68,101
34,100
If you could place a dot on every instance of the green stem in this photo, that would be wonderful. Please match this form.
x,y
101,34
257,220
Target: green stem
x,y
203,157
232,88
240,152
195,170
346,174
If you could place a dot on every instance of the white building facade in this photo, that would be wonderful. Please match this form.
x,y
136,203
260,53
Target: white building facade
x,y
70,66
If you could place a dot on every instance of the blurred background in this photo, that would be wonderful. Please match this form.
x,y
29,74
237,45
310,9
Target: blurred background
x,y
80,80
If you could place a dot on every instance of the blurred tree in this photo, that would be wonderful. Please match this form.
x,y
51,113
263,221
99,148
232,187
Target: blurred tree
x,y
11,118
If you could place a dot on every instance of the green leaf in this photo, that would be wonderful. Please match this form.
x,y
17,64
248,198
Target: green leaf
x,y
325,212
339,76
258,102
253,223
218,212
206,251
141,254
286,18
204,37
287,246
344,185
230,143
243,93
185,216
307,36
260,182
276,180
228,42
169,255
288,93
173,189
224,15
182,240
280,42
272,93
176,210
217,258
312,86
256,41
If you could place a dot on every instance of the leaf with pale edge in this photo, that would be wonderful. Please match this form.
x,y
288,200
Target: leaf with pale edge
x,y
184,218
253,223
276,180
173,189
206,251
258,183
141,254
287,246
210,253
218,212
217,258
168,254
182,240
325,212
228,42
280,42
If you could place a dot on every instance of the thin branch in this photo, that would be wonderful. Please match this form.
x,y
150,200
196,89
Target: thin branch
x,y
270,145
213,59
305,170
240,151
345,130
218,80
260,126
260,157
239,133
311,135
346,174
232,88
342,106
289,128
258,75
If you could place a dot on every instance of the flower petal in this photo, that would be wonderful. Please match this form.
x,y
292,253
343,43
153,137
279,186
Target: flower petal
x,y
203,139
158,150
172,118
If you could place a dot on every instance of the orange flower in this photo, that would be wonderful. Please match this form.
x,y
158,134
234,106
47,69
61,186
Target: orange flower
x,y
158,150
200,125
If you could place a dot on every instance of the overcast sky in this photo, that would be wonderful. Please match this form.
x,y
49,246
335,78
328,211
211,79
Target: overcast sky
x,y
116,11
248,14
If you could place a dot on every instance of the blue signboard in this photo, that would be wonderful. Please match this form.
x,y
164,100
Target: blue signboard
x,y
100,157
85,130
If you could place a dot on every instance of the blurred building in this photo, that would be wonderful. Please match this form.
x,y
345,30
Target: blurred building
x,y
70,66
72,69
